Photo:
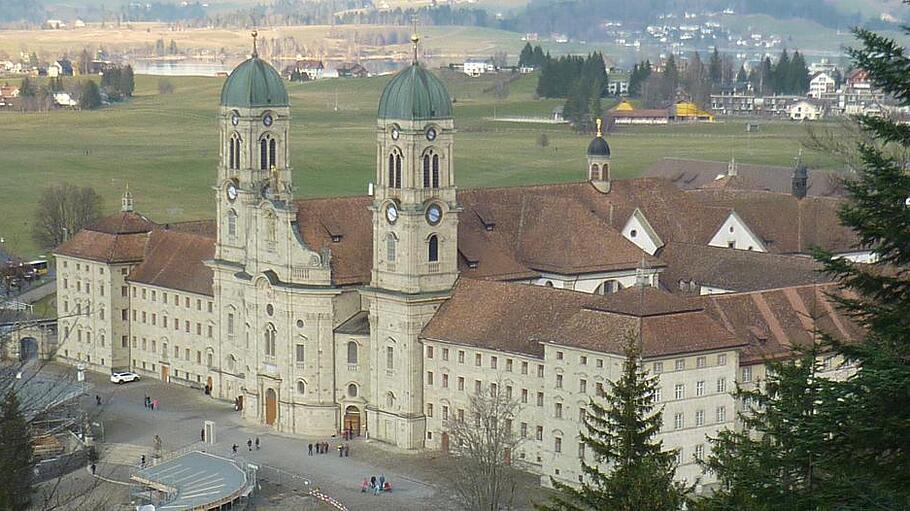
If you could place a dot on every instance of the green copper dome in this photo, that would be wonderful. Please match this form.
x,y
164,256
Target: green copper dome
x,y
415,94
254,83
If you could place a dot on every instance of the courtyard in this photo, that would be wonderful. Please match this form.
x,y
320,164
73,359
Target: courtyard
x,y
420,480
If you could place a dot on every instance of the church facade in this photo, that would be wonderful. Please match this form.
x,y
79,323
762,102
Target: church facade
x,y
380,315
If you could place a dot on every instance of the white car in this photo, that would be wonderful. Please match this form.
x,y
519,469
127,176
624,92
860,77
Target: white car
x,y
124,377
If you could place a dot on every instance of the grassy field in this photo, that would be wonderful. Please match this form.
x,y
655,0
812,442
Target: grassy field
x,y
165,147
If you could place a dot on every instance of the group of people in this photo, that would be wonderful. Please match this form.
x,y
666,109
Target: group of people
x,y
375,485
320,447
150,403
249,443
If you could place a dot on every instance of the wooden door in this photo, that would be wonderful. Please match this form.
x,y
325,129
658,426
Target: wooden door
x,y
165,373
271,407
352,420
445,443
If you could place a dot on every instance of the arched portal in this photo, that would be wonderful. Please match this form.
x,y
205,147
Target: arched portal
x,y
445,442
352,420
28,349
271,407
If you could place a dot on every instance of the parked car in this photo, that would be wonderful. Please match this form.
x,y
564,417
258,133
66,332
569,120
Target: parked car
x,y
124,377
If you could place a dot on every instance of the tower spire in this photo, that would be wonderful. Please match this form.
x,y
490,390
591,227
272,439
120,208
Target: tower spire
x,y
415,38
126,202
599,123
255,34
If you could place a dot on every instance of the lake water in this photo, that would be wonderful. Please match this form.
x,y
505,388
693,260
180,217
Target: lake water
x,y
178,68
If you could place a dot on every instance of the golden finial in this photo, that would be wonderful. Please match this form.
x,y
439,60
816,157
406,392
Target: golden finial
x,y
415,38
255,34
599,123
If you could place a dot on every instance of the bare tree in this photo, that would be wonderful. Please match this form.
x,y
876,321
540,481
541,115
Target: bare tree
x,y
543,140
500,59
64,210
843,139
483,442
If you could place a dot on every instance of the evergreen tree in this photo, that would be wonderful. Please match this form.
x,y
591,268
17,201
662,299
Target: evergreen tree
x,y
640,73
870,452
715,69
127,83
620,427
780,74
799,75
671,78
16,463
741,76
91,96
526,58
28,88
773,462
539,57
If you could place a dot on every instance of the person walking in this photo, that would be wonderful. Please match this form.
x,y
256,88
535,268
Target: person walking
x,y
372,482
257,443
249,444
340,450
365,485
93,468
97,400
234,448
142,461
381,480
310,447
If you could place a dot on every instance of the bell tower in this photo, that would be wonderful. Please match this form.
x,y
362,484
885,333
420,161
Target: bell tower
x,y
599,161
254,121
415,253
415,214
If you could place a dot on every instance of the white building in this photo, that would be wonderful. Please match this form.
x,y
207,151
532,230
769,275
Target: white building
x,y
805,111
821,86
477,67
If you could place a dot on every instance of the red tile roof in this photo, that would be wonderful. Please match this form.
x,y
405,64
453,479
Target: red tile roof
x,y
175,260
691,174
517,318
786,224
773,321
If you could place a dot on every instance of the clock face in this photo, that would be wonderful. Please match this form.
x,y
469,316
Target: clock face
x,y
434,214
267,120
431,134
232,191
395,133
235,119
391,213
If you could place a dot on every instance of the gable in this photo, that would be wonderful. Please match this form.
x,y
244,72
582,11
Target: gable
x,y
734,233
639,231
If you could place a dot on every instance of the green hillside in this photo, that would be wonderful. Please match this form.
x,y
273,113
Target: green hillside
x,y
165,147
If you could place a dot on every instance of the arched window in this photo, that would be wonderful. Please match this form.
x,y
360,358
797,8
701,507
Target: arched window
x,y
395,169
398,171
391,170
433,249
231,161
595,172
435,171
426,171
234,151
273,151
390,247
270,340
164,349
390,400
352,352
352,390
264,154
301,387
232,223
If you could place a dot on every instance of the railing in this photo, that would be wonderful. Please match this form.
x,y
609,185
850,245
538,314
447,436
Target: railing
x,y
299,273
433,267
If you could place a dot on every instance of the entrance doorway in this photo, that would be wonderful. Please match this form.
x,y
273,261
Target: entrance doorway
x,y
352,420
165,373
28,349
271,407
445,443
